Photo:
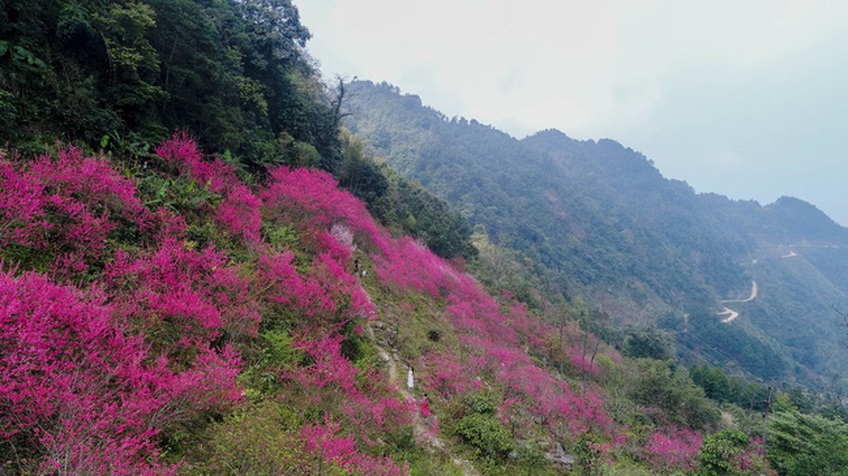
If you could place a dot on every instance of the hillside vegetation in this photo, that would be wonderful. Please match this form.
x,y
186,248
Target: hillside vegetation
x,y
597,220
220,328
251,294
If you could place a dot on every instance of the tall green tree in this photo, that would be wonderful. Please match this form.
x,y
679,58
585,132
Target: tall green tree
x,y
801,444
232,73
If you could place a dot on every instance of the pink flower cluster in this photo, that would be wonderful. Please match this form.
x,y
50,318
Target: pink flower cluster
x,y
65,207
188,297
91,375
312,200
499,342
674,448
410,266
324,299
321,442
239,211
86,393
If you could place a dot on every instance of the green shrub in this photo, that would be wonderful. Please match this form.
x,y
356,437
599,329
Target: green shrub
x,y
484,402
261,440
720,452
800,444
485,433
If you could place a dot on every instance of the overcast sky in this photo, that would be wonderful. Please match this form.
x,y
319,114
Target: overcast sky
x,y
744,98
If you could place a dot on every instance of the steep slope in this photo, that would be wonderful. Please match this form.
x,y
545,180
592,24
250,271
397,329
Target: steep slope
x,y
165,312
233,73
552,198
172,327
601,221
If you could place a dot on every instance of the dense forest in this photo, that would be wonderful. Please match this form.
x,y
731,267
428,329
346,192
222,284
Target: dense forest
x,y
203,272
598,221
121,75
233,73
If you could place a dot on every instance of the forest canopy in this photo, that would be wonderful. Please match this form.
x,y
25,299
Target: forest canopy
x,y
234,73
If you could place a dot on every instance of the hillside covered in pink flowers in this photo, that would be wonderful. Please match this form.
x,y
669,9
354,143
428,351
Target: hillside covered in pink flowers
x,y
161,315
260,293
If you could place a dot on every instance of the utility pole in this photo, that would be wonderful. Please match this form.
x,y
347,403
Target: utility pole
x,y
765,419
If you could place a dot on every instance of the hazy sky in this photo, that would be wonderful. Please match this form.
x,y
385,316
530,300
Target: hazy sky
x,y
744,98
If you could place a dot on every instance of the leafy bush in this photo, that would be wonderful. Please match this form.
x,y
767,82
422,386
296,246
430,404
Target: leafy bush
x,y
801,444
485,433
647,342
668,386
484,403
255,440
730,452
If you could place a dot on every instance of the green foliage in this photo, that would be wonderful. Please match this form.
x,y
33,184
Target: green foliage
x,y
420,213
588,457
721,388
531,457
783,403
480,428
356,346
501,268
177,194
489,437
668,386
26,257
434,464
261,439
647,342
279,347
750,350
720,452
232,73
133,62
358,173
800,444
296,153
484,402
626,467
403,205
280,235
132,150
21,56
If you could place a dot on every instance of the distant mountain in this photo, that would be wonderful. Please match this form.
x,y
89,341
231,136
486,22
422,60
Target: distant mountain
x,y
600,221
803,222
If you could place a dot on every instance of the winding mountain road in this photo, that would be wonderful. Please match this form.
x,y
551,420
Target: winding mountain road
x,y
730,313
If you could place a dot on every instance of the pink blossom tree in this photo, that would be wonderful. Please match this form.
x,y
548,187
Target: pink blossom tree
x,y
75,389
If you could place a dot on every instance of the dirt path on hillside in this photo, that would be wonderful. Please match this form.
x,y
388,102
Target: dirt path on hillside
x,y
754,292
420,425
730,314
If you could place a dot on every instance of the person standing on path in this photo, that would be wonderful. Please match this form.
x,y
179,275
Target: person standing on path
x,y
410,379
425,408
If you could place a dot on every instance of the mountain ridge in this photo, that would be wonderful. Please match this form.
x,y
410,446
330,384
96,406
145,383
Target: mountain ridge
x,y
601,221
245,296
